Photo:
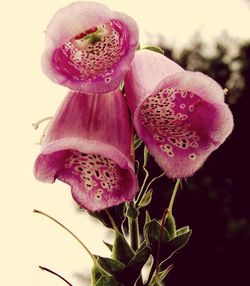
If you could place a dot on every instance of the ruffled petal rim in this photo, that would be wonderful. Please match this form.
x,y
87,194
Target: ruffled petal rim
x,y
57,161
61,63
183,121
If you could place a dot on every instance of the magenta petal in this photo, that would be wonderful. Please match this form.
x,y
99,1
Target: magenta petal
x,y
88,147
147,70
180,115
89,48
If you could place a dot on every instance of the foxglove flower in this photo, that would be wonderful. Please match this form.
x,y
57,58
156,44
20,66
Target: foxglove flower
x,y
180,115
89,48
87,146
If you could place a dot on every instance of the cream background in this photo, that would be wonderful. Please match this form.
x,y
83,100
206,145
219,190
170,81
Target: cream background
x,y
28,240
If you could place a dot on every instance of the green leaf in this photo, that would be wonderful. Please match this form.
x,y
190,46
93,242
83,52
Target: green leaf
x,y
132,272
132,212
146,199
107,281
170,248
161,276
154,49
170,225
182,230
110,246
147,218
96,274
137,262
121,249
110,265
180,241
152,232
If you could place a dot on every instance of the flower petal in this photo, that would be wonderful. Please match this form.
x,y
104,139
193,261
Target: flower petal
x,y
147,70
89,48
88,147
180,115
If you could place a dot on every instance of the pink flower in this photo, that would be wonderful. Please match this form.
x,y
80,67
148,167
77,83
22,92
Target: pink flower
x,y
180,115
88,147
89,48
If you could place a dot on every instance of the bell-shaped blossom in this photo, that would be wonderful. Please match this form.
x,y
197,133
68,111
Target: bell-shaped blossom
x,y
89,48
180,115
88,146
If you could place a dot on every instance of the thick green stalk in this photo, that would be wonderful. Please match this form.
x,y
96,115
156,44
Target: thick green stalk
x,y
133,232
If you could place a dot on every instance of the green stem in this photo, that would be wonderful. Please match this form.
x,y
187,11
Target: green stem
x,y
170,207
157,260
114,226
54,273
154,179
133,227
164,218
69,231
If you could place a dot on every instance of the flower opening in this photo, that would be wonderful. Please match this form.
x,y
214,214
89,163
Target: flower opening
x,y
93,55
80,150
181,117
89,48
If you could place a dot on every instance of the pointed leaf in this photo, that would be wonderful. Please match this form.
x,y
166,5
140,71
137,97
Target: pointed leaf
x,y
132,272
154,49
96,274
161,276
110,246
110,265
170,248
138,261
170,225
147,218
182,230
107,281
152,231
146,199
121,249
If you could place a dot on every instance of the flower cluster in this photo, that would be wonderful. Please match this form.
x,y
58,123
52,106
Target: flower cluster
x,y
180,115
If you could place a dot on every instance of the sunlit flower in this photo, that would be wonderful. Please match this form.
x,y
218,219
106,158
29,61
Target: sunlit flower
x,y
180,115
89,48
87,146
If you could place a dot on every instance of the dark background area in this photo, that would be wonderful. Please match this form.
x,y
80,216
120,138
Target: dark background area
x,y
215,202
